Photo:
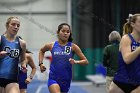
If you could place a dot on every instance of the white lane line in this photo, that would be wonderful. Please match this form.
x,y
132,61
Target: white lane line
x,y
40,87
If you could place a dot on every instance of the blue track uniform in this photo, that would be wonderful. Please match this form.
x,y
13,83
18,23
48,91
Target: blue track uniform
x,y
21,79
60,68
129,74
9,63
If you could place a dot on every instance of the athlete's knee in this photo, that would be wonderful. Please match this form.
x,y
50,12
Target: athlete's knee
x,y
12,88
110,90
137,90
23,91
13,85
54,88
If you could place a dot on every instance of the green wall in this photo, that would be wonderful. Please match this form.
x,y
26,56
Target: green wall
x,y
94,57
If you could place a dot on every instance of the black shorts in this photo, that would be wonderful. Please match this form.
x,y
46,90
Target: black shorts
x,y
5,82
127,88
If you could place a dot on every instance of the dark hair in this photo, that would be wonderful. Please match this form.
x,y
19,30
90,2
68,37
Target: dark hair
x,y
60,27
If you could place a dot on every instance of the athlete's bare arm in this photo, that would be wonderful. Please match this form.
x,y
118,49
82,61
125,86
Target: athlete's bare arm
x,y
83,60
125,48
42,51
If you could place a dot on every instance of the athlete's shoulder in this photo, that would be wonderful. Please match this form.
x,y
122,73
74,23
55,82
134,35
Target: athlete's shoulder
x,y
48,46
28,57
52,43
22,44
125,38
75,46
21,40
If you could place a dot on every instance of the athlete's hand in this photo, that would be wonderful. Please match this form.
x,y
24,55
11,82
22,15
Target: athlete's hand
x,y
3,53
42,68
24,69
28,80
72,61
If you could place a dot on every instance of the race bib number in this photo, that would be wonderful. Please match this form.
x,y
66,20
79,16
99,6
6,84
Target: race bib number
x,y
67,49
13,53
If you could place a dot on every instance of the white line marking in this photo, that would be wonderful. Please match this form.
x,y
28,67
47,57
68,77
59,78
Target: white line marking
x,y
40,87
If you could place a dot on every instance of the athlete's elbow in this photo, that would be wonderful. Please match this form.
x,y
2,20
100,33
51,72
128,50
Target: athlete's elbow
x,y
34,68
86,62
127,61
40,51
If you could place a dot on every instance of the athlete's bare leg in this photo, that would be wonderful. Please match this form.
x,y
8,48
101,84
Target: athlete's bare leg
x,y
1,90
114,88
54,88
23,91
137,90
12,88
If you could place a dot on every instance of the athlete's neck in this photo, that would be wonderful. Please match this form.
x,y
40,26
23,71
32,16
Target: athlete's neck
x,y
62,42
136,36
10,37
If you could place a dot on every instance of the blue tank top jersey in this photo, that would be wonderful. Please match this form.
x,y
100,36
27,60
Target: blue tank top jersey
x,y
60,67
129,73
9,63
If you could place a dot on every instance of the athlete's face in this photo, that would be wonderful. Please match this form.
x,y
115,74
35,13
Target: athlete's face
x,y
136,25
13,26
64,33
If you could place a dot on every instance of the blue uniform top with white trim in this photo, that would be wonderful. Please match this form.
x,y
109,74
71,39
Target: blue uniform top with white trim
x,y
129,73
9,63
60,67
